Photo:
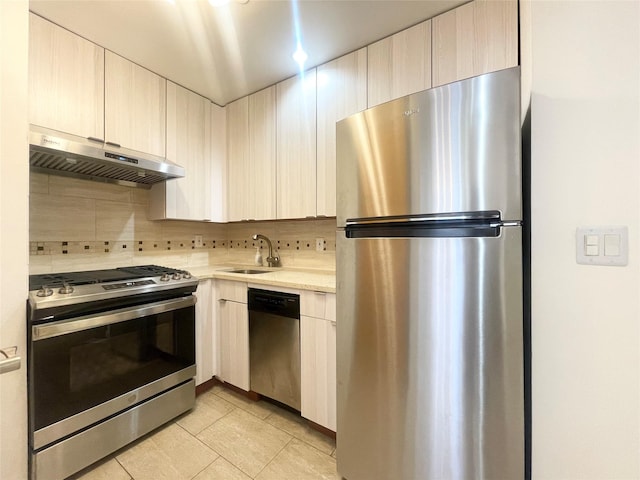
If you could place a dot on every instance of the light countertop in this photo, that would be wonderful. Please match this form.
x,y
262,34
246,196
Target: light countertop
x,y
317,280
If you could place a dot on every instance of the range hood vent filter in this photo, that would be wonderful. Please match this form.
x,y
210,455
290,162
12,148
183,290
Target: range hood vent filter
x,y
57,153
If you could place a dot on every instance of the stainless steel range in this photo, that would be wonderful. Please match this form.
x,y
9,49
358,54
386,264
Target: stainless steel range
x,y
112,356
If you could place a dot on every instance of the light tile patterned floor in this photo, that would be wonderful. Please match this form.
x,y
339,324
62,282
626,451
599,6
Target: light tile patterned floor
x,y
225,437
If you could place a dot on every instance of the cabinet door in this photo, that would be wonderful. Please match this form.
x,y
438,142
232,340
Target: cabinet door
x,y
296,146
233,320
135,106
400,64
218,163
238,159
318,370
205,333
261,176
231,290
66,80
476,38
188,145
342,91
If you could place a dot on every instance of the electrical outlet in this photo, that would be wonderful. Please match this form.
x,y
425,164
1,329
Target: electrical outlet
x,y
319,244
198,241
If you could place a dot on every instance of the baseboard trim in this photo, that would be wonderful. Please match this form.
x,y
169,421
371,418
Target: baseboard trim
x,y
208,385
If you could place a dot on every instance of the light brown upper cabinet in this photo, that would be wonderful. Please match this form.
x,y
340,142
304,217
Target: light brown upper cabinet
x,y
219,212
342,91
262,155
400,64
135,106
476,38
66,80
188,145
296,146
238,159
252,156
79,88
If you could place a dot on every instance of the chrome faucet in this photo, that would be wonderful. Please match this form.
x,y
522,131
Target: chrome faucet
x,y
271,260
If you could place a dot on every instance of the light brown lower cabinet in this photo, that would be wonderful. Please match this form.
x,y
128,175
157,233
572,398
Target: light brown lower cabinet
x,y
205,333
318,358
233,330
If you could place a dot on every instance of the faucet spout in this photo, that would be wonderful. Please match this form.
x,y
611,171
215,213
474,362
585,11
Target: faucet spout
x,y
271,260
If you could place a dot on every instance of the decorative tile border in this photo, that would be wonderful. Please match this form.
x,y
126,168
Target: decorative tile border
x,y
113,246
178,244
283,244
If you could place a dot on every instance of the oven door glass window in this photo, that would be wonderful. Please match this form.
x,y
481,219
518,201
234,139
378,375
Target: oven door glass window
x,y
75,371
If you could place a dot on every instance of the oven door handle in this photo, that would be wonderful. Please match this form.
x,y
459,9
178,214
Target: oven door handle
x,y
63,327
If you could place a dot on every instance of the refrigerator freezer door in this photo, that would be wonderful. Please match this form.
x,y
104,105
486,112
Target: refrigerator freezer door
x,y
454,148
430,360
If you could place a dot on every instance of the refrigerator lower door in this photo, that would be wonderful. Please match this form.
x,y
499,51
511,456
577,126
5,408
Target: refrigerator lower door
x,y
430,358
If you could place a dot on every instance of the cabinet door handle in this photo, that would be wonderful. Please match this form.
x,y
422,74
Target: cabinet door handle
x,y
333,323
320,293
222,300
95,139
113,144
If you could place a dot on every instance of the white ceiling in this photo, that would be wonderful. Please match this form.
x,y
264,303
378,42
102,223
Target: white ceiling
x,y
225,53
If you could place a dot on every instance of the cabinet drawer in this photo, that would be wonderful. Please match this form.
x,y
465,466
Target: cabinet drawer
x,y
230,290
318,304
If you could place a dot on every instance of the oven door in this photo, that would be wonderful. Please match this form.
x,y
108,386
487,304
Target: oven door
x,y
85,369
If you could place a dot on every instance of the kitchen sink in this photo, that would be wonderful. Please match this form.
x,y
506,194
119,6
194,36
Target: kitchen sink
x,y
246,271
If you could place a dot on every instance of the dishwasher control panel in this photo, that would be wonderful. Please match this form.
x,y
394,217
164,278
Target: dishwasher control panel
x,y
279,303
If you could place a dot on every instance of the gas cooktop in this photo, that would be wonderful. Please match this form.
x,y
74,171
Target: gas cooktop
x,y
57,280
51,290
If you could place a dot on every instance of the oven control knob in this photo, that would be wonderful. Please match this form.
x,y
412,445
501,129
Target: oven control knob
x,y
176,276
44,291
186,275
165,277
65,289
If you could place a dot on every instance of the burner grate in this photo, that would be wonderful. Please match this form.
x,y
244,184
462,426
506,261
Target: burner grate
x,y
56,280
149,270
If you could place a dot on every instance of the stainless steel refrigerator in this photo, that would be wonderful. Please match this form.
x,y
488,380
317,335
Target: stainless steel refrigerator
x,y
430,285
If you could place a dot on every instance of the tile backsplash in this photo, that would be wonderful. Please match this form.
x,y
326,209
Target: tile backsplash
x,y
79,225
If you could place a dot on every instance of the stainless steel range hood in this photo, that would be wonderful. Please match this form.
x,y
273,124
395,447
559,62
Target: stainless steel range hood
x,y
59,153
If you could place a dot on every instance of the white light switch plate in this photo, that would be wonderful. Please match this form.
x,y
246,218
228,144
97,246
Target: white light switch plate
x,y
602,246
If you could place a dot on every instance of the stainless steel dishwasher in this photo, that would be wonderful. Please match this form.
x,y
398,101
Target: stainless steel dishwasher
x,y
274,345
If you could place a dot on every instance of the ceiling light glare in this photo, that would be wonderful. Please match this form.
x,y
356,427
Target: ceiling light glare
x,y
223,3
300,56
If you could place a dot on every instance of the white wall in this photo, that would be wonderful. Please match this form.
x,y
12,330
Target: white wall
x,y
585,171
14,181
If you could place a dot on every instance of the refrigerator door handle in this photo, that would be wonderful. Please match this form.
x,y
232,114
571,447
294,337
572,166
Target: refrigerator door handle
x,y
511,223
457,225
493,215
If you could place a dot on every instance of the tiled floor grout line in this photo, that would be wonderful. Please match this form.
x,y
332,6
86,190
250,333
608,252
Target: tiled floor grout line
x,y
298,438
204,444
292,437
123,467
275,456
220,455
282,419
288,433
235,407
